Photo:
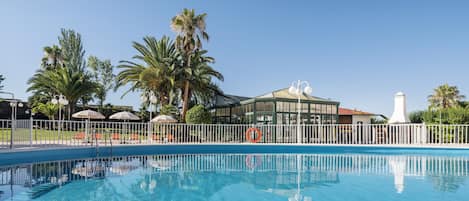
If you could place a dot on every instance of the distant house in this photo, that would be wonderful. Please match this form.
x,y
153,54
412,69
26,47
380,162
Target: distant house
x,y
354,116
22,112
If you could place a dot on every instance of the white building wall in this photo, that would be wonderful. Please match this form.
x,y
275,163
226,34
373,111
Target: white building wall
x,y
365,119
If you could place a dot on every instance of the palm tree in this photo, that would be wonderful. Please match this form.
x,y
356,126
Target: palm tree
x,y
201,82
47,109
154,70
52,57
73,85
445,96
190,30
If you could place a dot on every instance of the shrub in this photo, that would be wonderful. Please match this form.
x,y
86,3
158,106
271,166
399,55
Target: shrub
x,y
169,110
416,116
198,115
454,115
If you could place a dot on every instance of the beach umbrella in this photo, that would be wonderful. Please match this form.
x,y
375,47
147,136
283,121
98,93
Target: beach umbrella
x,y
88,114
164,119
161,119
124,116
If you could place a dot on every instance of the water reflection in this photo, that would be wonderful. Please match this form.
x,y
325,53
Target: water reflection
x,y
292,177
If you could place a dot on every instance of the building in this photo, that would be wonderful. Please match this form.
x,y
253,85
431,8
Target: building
x,y
354,116
277,107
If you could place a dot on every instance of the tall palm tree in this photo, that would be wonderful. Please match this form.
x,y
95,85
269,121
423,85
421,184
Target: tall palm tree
x,y
445,96
154,69
201,80
190,30
52,57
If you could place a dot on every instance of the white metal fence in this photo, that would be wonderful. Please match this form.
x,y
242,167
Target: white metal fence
x,y
22,133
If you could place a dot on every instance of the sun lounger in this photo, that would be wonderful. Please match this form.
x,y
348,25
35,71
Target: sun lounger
x,y
79,136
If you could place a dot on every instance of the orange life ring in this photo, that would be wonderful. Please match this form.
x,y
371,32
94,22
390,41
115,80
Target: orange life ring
x,y
249,161
249,136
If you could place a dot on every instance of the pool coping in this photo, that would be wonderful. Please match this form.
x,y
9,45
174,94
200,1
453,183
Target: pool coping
x,y
406,146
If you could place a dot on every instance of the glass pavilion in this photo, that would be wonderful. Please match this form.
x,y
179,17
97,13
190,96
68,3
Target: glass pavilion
x,y
277,107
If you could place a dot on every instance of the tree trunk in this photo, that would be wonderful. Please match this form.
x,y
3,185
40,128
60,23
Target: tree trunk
x,y
185,101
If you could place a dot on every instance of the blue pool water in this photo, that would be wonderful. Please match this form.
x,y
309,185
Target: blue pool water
x,y
367,175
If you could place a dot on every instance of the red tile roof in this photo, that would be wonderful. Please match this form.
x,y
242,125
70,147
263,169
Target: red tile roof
x,y
346,111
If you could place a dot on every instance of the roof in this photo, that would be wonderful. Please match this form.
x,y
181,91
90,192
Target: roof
x,y
283,93
226,100
346,111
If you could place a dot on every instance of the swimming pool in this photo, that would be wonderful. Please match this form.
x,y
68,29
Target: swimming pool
x,y
319,173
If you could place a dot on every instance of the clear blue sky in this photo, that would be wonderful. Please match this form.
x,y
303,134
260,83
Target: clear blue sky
x,y
357,52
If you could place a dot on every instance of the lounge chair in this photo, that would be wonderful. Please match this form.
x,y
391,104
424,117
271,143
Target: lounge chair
x,y
116,136
79,136
97,136
134,137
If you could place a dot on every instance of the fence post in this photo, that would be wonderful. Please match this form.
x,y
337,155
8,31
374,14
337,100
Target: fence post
x,y
150,130
12,126
31,131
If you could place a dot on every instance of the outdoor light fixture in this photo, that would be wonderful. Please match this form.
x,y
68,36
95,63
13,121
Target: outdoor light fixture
x,y
61,101
299,88
151,98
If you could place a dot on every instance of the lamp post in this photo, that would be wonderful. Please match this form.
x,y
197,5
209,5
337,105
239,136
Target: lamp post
x,y
299,88
14,104
152,101
31,125
151,98
59,100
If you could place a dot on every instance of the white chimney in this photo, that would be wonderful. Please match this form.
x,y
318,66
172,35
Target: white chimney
x,y
400,113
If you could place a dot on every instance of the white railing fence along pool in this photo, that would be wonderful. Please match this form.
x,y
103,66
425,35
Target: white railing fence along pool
x,y
49,133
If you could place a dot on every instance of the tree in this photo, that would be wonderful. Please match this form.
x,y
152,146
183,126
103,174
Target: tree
x,y
143,112
202,87
1,80
72,50
154,69
445,96
190,30
198,115
53,58
73,85
70,79
103,75
47,109
416,116
168,110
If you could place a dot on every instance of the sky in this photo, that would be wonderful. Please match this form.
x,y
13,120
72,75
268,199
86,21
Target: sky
x,y
357,52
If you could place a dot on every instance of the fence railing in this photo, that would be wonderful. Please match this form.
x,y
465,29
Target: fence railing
x,y
46,133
